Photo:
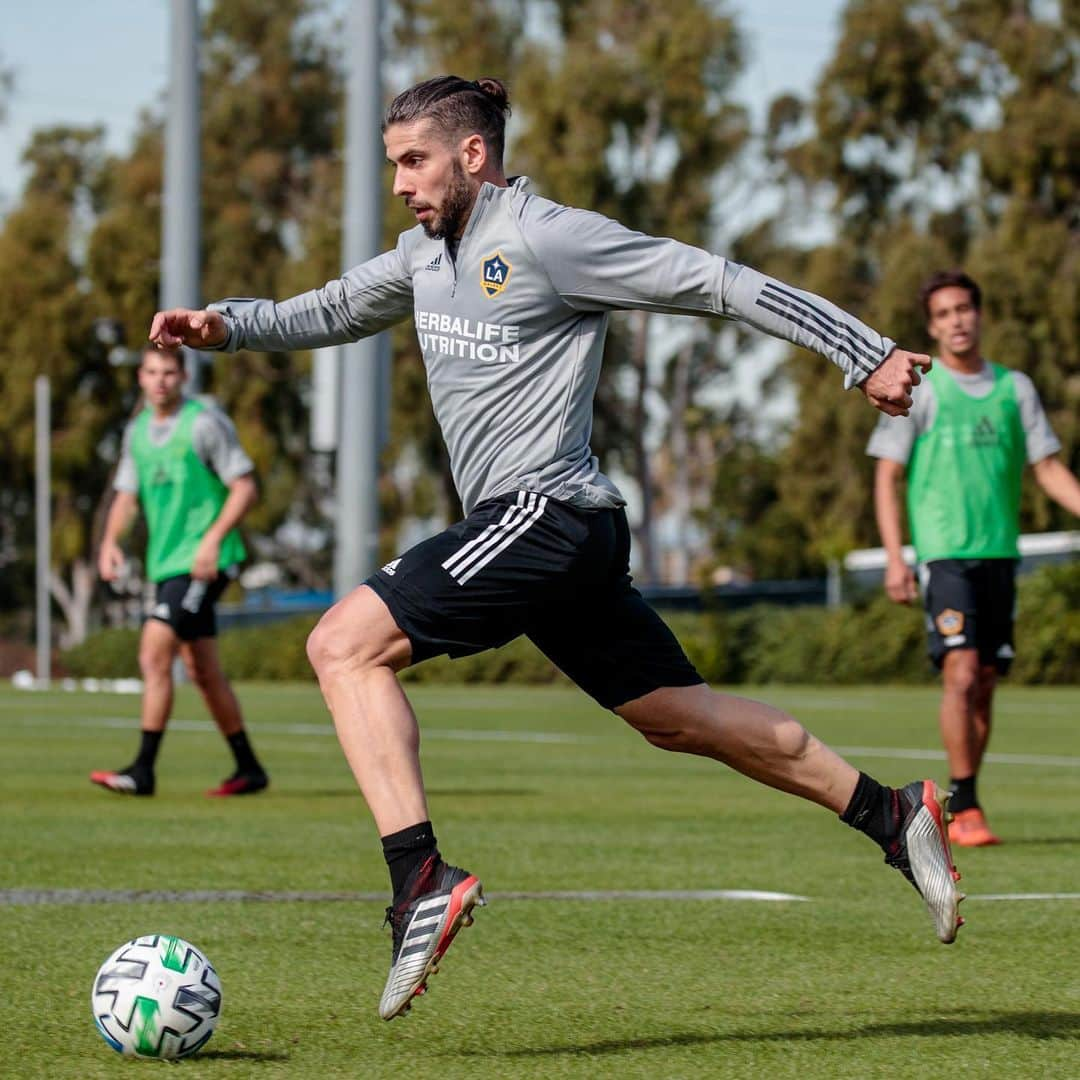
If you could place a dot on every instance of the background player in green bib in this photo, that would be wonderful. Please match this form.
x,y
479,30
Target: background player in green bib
x,y
183,463
972,428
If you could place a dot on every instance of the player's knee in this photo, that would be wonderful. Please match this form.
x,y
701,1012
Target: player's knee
x,y
331,647
961,674
319,646
154,663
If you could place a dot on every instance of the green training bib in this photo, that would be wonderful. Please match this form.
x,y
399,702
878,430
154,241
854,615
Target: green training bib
x,y
964,476
180,496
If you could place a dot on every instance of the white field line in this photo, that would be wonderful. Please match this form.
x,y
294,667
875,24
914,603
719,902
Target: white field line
x,y
19,897
1022,896
938,755
35,897
53,725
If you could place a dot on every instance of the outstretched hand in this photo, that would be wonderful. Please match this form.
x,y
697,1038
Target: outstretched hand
x,y
889,387
182,326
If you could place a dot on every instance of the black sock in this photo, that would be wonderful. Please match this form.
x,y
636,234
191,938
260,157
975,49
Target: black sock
x,y
962,794
405,850
241,748
874,810
148,751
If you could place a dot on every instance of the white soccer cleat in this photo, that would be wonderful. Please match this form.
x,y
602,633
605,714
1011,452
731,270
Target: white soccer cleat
x,y
924,857
440,904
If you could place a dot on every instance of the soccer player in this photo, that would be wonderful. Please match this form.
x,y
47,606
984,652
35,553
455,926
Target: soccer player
x,y
511,295
182,461
963,445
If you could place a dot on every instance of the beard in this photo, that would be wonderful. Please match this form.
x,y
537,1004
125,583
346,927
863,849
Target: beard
x,y
450,219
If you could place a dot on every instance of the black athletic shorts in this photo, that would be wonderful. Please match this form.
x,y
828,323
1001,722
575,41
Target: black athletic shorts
x,y
969,605
524,563
187,604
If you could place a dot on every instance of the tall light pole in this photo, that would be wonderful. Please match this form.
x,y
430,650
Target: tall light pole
x,y
43,525
363,381
180,219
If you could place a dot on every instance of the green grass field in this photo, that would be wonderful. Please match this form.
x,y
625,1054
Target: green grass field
x,y
539,790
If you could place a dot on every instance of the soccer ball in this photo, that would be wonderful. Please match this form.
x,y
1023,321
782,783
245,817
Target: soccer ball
x,y
156,996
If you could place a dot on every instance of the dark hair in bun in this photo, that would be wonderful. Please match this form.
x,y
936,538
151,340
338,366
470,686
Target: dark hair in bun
x,y
458,108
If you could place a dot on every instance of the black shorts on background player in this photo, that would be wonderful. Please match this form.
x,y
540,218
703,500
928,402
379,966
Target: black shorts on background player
x,y
969,605
524,563
187,604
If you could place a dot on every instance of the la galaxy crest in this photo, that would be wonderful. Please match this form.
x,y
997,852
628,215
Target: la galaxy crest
x,y
494,274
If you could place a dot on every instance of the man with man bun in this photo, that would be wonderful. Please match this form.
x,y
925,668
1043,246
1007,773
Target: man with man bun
x,y
511,296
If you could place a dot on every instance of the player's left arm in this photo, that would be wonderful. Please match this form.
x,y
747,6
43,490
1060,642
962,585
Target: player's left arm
x,y
1043,447
595,263
217,445
1057,480
242,496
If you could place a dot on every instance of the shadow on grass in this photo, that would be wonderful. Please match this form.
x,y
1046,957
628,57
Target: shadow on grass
x,y
448,793
238,1055
482,793
1034,1025
274,794
1040,841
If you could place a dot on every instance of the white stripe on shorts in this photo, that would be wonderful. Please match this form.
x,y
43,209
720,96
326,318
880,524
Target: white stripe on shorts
x,y
472,557
487,535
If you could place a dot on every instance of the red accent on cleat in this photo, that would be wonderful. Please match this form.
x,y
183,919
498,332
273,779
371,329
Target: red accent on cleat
x,y
244,784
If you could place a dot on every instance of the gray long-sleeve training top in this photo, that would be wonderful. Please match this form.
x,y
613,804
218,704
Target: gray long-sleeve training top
x,y
512,329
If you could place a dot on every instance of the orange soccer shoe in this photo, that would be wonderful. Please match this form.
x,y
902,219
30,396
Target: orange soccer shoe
x,y
968,828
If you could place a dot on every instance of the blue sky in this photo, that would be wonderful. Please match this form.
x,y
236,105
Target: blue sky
x,y
80,63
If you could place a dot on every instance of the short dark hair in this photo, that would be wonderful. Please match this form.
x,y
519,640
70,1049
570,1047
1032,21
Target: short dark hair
x,y
945,279
177,352
458,108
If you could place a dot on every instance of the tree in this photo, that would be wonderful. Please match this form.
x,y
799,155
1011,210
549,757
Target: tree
x,y
46,310
7,83
940,133
271,98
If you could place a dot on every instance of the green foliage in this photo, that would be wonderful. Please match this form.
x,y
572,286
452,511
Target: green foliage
x,y
46,310
272,651
106,654
1048,626
872,642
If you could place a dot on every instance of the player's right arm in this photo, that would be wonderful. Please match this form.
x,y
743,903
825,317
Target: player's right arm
x,y
366,299
899,578
121,514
